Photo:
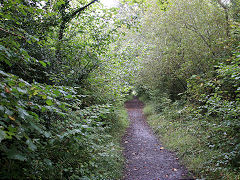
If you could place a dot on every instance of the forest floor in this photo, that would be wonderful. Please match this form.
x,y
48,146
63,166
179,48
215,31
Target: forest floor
x,y
146,158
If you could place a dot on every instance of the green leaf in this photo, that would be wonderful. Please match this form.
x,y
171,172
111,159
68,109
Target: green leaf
x,y
69,96
15,154
8,112
57,92
2,108
23,113
2,135
36,127
3,73
47,134
21,90
60,2
49,102
48,162
43,63
44,96
25,54
30,144
21,84
18,157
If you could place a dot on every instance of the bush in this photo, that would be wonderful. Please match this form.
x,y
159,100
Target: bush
x,y
184,130
44,133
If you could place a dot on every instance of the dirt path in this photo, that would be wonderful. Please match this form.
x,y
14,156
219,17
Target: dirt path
x,y
146,159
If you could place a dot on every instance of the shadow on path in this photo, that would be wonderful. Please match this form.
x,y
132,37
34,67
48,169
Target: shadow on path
x,y
146,159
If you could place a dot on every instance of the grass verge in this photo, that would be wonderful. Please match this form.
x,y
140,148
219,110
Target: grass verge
x,y
189,139
115,166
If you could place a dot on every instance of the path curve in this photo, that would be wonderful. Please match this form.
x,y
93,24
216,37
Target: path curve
x,y
146,159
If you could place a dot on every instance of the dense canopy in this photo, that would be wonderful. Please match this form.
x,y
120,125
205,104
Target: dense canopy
x,y
67,66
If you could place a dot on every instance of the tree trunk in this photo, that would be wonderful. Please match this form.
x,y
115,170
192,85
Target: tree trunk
x,y
66,18
226,10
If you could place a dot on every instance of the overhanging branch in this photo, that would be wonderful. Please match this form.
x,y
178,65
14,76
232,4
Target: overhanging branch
x,y
73,14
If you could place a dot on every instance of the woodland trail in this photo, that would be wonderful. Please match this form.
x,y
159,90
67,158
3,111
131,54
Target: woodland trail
x,y
146,159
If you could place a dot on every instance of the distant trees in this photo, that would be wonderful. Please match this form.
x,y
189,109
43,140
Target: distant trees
x,y
192,58
182,42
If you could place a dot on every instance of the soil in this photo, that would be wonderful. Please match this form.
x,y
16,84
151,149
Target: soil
x,y
146,158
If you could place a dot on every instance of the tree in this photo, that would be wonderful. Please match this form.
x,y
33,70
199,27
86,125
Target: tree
x,y
181,42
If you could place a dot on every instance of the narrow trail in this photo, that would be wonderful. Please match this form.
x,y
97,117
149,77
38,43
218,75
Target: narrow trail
x,y
146,159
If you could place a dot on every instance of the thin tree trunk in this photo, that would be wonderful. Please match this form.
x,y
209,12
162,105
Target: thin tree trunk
x,y
226,10
227,22
65,20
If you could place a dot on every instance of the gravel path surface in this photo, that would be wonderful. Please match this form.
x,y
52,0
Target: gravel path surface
x,y
146,158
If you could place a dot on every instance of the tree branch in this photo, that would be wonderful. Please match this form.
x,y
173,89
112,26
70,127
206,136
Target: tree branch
x,y
66,19
73,14
194,29
8,32
222,4
226,8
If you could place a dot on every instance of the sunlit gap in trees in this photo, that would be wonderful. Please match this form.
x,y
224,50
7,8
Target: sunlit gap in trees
x,y
226,2
110,3
106,3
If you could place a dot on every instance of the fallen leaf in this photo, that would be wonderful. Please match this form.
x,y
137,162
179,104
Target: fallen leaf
x,y
12,118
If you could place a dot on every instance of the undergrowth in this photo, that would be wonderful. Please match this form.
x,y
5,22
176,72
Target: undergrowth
x,y
190,139
45,133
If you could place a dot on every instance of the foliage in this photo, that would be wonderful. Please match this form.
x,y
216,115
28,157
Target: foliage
x,y
44,131
190,76
196,140
219,111
180,43
57,121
